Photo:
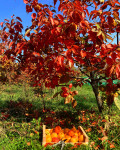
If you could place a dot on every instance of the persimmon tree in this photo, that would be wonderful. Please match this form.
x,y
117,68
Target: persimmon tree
x,y
80,34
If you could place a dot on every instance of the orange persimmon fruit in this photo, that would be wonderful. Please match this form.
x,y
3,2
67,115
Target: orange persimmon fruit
x,y
74,139
81,138
61,135
66,130
74,129
57,129
48,139
55,139
54,134
71,133
66,138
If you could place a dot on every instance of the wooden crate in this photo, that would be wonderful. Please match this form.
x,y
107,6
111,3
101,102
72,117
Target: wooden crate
x,y
86,139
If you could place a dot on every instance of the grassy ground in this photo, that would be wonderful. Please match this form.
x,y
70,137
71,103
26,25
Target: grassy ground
x,y
20,131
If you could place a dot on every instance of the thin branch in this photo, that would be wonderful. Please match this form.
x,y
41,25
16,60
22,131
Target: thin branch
x,y
117,38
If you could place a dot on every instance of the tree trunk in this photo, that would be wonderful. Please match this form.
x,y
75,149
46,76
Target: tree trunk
x,y
97,95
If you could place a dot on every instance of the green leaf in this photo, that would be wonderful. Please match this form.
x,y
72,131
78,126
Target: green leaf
x,y
60,25
117,102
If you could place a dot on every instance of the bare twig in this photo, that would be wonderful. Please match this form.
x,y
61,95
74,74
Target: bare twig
x,y
62,143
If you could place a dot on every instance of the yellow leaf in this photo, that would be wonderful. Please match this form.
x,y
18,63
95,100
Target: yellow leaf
x,y
74,103
27,32
117,102
99,33
68,99
102,1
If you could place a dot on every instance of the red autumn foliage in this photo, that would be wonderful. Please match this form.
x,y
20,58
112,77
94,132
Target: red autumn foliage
x,y
57,42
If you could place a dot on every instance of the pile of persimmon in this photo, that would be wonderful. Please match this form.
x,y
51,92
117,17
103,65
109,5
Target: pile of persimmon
x,y
68,135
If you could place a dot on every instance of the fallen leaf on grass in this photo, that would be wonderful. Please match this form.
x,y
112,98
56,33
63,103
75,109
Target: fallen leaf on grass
x,y
97,147
88,130
92,144
104,139
94,123
28,143
104,120
112,146
103,131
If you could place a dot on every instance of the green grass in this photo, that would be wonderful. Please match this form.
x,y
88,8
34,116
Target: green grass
x,y
85,98
21,132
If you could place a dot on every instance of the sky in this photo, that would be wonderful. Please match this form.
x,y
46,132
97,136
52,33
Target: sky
x,y
18,8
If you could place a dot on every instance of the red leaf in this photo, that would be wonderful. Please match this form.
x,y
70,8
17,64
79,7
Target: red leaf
x,y
104,6
19,19
65,94
70,85
118,71
118,29
19,24
60,17
28,8
93,12
110,81
76,17
17,28
95,4
55,1
117,2
33,15
11,43
110,20
71,63
109,70
83,53
60,60
76,47
52,21
109,61
36,54
19,47
6,20
1,23
65,89
114,56
109,45
25,1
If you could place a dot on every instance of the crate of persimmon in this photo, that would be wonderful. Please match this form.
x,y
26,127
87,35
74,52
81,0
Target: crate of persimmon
x,y
71,136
